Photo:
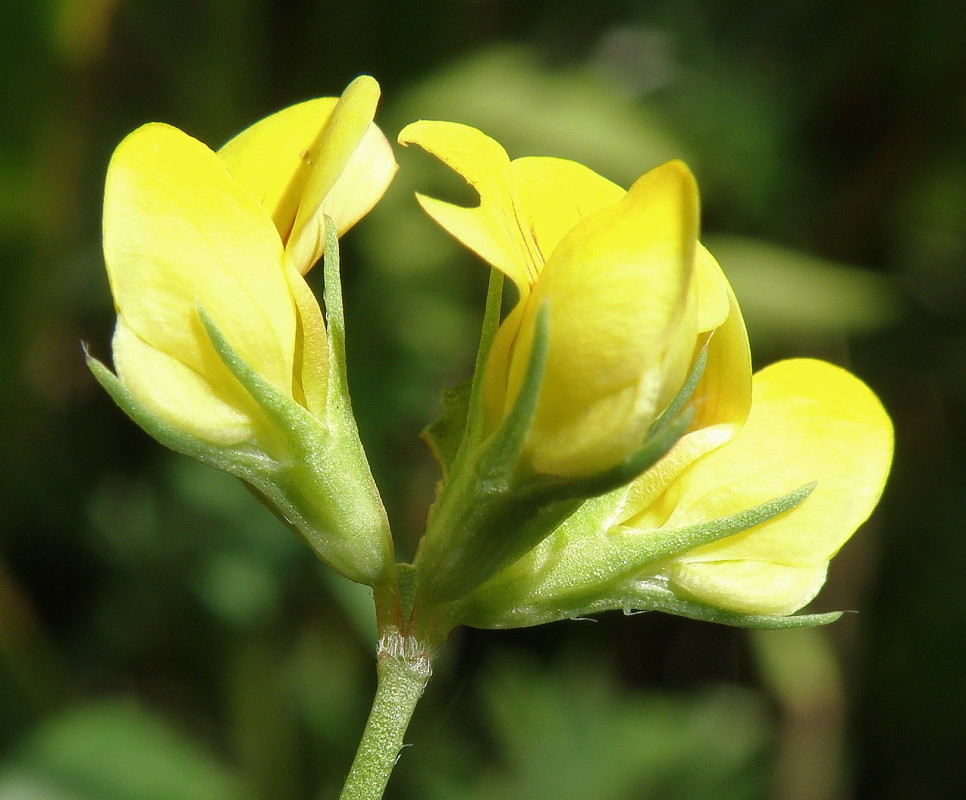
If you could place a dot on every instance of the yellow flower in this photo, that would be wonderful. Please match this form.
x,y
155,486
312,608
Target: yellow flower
x,y
233,232
221,350
630,294
738,520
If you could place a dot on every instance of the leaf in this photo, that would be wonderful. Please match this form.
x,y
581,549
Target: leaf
x,y
114,750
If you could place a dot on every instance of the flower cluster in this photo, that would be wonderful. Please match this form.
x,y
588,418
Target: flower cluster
x,y
613,450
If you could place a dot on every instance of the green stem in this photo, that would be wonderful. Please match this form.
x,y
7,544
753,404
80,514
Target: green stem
x,y
403,668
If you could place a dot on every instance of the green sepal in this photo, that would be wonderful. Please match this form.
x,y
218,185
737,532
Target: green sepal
x,y
460,422
475,423
482,520
337,396
584,564
243,462
656,598
653,595
324,488
494,509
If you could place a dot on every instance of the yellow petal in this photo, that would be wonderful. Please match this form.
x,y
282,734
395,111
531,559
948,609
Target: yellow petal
x,y
555,194
274,157
352,165
810,421
216,411
320,157
721,402
492,229
723,396
751,587
713,292
616,287
311,345
361,184
178,232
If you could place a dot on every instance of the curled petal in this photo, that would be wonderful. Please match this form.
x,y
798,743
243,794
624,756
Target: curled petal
x,y
321,157
491,229
362,182
352,165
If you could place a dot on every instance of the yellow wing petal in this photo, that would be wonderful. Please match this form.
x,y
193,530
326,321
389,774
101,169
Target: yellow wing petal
x,y
492,229
617,288
810,421
214,410
721,400
178,231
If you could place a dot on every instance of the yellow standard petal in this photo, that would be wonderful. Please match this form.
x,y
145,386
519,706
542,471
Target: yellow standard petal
x,y
178,233
273,157
616,288
555,194
810,422
526,206
491,229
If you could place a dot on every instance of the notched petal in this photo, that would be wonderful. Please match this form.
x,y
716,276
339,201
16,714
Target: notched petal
x,y
491,229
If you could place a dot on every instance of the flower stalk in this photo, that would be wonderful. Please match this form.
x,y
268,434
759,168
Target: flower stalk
x,y
404,666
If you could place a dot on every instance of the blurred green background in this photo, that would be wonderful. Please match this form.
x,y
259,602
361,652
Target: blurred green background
x,y
163,638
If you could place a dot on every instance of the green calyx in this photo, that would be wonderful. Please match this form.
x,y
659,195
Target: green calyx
x,y
492,508
590,565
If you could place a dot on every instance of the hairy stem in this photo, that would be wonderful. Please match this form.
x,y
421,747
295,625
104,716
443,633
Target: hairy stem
x,y
403,669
